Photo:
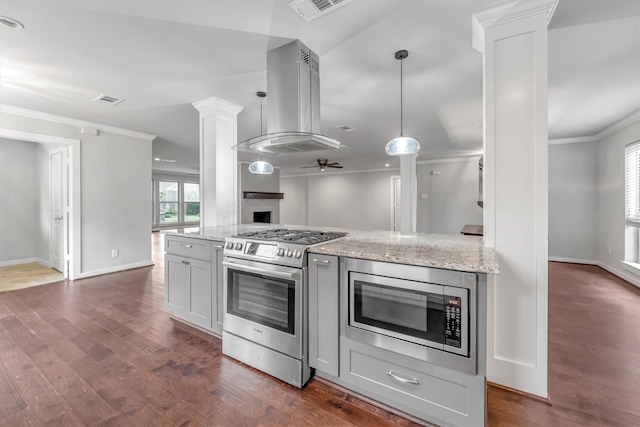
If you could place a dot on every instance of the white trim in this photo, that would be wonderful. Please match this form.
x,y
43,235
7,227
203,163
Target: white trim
x,y
573,140
213,105
573,260
115,269
28,136
10,109
631,267
621,124
506,13
621,274
44,263
471,158
18,261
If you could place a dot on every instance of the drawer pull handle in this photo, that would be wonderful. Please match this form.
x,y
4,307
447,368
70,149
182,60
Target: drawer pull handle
x,y
402,379
186,246
324,261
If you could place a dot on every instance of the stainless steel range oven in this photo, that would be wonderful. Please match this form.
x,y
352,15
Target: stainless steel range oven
x,y
265,299
425,313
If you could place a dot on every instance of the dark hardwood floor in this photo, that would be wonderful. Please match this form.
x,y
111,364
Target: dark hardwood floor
x,y
103,351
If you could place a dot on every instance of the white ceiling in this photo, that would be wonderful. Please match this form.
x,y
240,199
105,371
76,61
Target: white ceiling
x,y
163,55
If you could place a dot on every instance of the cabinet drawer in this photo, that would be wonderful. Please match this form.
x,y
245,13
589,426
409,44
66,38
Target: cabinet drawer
x,y
438,395
190,248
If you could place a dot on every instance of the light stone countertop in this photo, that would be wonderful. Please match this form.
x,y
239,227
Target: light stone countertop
x,y
448,251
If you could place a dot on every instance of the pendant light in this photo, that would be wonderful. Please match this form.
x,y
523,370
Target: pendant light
x,y
261,167
402,145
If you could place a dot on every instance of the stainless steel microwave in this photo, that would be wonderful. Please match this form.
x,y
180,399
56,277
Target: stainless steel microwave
x,y
425,313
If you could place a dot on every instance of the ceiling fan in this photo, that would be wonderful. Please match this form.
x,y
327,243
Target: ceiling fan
x,y
323,164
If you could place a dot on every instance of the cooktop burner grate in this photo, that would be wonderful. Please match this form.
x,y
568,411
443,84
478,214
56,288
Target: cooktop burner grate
x,y
299,237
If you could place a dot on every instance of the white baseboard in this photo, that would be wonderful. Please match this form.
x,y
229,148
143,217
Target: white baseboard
x,y
573,260
43,263
18,261
631,278
115,269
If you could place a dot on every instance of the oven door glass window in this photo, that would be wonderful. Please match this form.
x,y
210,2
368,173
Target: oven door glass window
x,y
402,313
262,299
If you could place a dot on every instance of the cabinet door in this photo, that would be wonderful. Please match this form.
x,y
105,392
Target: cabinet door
x,y
176,293
324,314
199,279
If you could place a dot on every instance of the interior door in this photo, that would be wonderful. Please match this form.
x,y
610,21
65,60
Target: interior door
x,y
57,207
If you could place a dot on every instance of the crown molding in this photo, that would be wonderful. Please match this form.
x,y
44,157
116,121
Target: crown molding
x,y
506,13
213,105
600,135
33,114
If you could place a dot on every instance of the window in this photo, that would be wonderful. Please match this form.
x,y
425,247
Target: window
x,y
632,202
191,202
168,196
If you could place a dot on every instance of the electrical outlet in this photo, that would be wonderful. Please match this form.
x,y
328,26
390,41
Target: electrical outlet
x,y
610,251
114,253
226,219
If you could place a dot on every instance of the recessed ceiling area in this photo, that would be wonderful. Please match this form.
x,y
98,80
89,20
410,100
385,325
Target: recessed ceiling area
x,y
162,55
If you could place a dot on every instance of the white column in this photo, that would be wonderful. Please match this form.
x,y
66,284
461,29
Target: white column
x,y
513,39
408,194
218,162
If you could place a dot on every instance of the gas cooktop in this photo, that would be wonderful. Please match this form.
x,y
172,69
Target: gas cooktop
x,y
297,237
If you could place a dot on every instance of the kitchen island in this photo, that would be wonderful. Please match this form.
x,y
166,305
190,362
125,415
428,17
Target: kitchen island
x,y
362,300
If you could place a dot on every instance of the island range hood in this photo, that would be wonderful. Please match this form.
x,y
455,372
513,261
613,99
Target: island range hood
x,y
293,104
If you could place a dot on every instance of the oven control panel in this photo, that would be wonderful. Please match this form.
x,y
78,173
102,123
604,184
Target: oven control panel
x,y
453,321
274,252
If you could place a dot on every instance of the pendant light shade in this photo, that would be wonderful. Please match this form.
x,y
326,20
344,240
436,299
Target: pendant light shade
x,y
402,145
260,167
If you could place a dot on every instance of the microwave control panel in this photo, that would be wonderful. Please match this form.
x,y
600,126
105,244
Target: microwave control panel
x,y
453,319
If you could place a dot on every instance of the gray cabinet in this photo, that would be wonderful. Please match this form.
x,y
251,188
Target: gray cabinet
x,y
192,273
433,393
324,315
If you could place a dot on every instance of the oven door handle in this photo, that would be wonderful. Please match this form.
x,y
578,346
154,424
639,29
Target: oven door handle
x,y
279,274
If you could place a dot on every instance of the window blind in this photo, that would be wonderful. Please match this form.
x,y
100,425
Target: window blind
x,y
632,184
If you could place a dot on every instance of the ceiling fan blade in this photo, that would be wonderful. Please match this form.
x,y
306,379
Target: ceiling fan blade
x,y
335,166
304,167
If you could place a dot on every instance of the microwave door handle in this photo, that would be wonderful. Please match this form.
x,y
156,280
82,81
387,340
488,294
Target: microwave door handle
x,y
278,274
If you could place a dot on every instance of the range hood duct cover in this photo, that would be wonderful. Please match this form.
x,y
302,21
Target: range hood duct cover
x,y
293,104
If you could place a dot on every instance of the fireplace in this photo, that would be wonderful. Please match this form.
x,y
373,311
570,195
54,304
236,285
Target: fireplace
x,y
264,216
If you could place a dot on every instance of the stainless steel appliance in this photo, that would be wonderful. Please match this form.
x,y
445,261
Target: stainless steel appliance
x,y
265,296
425,313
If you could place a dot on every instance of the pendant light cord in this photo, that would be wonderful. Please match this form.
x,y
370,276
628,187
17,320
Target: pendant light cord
x,y
261,117
401,112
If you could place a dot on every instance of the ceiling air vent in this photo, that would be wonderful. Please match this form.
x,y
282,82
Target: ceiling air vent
x,y
312,9
108,100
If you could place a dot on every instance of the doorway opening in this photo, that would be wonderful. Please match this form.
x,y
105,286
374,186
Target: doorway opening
x,y
68,254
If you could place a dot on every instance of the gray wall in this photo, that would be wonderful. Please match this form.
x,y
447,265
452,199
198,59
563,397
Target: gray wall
x,y
451,197
294,206
362,201
19,200
573,201
610,212
115,193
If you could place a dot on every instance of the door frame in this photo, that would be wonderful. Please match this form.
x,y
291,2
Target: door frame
x,y
73,252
